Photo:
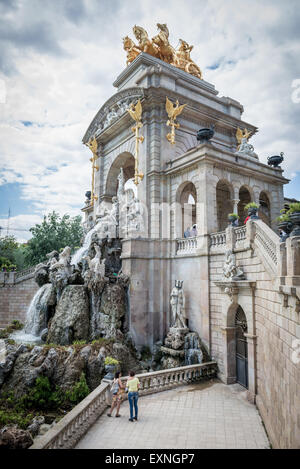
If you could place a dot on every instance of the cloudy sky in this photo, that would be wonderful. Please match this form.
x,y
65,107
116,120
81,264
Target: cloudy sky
x,y
58,59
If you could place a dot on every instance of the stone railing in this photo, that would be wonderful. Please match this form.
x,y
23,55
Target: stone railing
x,y
267,245
70,429
186,245
217,240
240,234
24,273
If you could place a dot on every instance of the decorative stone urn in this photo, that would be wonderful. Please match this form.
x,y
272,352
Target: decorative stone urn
x,y
110,371
285,226
252,212
233,220
295,221
205,134
276,160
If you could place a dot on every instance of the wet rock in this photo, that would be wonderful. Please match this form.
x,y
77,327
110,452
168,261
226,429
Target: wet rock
x,y
12,437
34,427
44,334
71,319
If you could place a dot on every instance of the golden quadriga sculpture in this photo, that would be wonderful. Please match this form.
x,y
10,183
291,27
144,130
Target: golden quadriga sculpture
x,y
160,48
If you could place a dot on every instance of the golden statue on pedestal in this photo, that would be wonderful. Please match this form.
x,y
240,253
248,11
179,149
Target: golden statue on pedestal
x,y
242,136
135,110
173,111
93,146
160,48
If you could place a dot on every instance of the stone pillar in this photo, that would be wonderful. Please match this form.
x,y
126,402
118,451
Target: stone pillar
x,y
230,238
251,344
293,261
229,354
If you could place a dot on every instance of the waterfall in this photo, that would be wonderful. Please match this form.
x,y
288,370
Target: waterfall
x,y
36,317
81,252
192,348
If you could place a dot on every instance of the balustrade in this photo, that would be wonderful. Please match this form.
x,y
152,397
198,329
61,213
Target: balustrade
x,y
68,431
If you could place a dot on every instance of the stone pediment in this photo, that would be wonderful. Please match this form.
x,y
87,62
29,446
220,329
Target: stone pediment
x,y
112,110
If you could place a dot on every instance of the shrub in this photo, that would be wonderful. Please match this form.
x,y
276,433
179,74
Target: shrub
x,y
233,215
251,205
42,396
111,361
294,207
79,391
283,218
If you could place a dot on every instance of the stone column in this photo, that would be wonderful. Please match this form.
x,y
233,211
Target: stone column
x,y
293,261
229,354
251,344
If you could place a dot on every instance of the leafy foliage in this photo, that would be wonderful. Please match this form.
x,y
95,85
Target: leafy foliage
x,y
79,391
111,361
251,205
294,207
14,326
54,233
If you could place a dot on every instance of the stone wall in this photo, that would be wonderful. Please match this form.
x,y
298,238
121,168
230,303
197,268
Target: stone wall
x,y
275,330
15,297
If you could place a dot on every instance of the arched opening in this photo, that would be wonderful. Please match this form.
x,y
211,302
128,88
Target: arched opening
x,y
224,204
187,198
245,198
241,348
126,161
264,211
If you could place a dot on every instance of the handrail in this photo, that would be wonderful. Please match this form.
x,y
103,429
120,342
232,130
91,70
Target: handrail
x,y
70,429
267,244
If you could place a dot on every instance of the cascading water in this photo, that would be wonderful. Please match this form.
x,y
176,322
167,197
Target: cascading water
x,y
36,317
81,252
192,349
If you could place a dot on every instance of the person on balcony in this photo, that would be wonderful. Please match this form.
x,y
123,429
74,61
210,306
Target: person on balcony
x,y
194,231
187,233
118,392
132,386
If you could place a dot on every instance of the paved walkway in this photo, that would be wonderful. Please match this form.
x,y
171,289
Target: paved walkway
x,y
206,415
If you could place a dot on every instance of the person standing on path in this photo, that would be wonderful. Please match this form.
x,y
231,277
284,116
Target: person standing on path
x,y
117,391
132,386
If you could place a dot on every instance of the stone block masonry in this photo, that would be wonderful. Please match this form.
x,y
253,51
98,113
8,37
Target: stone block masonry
x,y
15,297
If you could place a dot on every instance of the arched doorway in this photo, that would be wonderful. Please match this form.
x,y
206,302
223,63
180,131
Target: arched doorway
x,y
124,160
224,204
241,347
264,211
245,198
188,200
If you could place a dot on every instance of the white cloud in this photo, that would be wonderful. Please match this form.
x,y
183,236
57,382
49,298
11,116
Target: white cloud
x,y
59,60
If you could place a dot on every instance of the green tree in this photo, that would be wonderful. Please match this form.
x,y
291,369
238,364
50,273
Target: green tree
x,y
8,247
54,233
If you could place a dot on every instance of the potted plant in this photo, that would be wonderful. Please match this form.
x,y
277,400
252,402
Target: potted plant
x,y
284,222
110,367
252,209
233,219
294,215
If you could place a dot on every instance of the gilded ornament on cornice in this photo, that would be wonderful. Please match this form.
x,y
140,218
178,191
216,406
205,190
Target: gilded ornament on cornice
x,y
160,48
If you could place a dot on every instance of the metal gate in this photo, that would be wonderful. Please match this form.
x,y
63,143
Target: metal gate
x,y
241,348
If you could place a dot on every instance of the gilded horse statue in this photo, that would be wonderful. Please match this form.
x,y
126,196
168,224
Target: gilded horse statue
x,y
166,51
144,43
132,50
